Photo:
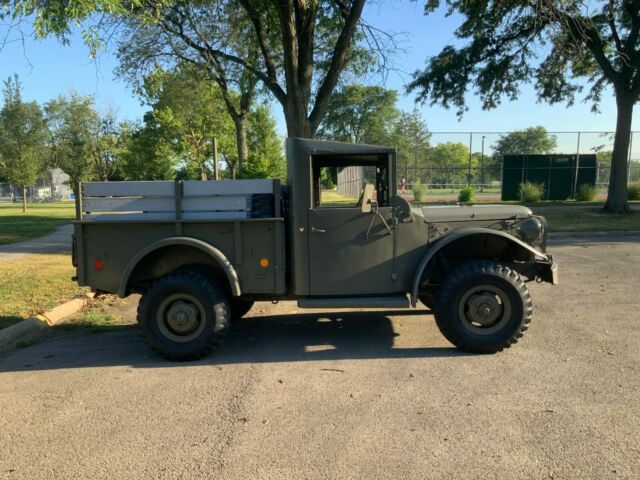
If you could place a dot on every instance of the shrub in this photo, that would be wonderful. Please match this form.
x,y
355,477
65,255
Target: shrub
x,y
418,190
531,192
586,193
633,192
467,195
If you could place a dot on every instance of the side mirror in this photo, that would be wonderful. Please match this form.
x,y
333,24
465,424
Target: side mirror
x,y
367,198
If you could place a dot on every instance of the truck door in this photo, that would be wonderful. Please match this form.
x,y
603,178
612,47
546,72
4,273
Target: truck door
x,y
350,251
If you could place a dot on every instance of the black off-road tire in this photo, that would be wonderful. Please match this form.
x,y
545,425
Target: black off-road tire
x,y
428,300
240,307
509,328
209,301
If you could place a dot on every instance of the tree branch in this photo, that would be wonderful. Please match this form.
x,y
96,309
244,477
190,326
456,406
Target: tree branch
x,y
338,60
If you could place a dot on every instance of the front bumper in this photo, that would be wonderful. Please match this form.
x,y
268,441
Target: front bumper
x,y
547,270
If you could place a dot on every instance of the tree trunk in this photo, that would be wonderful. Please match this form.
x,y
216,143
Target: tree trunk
x,y
24,199
242,143
617,194
295,113
203,171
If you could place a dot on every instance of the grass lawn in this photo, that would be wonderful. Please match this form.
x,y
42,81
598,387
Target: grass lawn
x,y
40,219
592,219
101,315
34,285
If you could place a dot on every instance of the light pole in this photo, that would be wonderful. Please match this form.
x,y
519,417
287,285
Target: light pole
x,y
482,165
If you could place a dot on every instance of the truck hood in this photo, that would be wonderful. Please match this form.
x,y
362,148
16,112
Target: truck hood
x,y
462,213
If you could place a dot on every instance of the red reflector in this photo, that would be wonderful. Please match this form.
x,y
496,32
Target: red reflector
x,y
98,265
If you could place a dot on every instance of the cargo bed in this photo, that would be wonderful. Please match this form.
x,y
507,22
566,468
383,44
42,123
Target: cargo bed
x,y
126,222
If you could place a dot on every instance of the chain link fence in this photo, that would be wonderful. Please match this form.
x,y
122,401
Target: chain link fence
x,y
51,185
453,160
443,162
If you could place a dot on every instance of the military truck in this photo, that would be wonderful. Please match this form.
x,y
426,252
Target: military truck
x,y
202,252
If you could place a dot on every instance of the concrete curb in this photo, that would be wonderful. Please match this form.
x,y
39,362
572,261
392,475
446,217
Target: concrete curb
x,y
56,316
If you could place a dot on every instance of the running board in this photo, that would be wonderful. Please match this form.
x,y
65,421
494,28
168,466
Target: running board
x,y
382,301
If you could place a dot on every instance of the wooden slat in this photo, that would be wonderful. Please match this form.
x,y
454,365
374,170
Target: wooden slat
x,y
226,202
194,188
215,215
142,217
123,217
129,189
124,204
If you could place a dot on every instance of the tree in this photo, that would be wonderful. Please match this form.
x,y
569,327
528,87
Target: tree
x,y
448,163
147,154
360,114
560,46
304,46
173,40
190,113
106,146
22,138
266,159
531,141
73,124
411,137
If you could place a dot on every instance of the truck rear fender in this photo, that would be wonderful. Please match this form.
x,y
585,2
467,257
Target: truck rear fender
x,y
216,256
487,243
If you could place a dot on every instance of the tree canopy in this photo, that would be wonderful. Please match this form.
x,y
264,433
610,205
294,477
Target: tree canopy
x,y
22,138
530,141
559,46
360,114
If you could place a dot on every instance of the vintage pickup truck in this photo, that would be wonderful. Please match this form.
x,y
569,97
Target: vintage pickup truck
x,y
201,252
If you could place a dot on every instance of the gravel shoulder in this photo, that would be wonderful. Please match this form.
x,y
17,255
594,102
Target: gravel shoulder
x,y
348,394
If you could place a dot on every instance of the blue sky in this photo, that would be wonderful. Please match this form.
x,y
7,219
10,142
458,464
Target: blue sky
x,y
48,68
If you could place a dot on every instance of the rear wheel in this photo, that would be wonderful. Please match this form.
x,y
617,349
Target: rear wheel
x,y
184,315
483,307
428,300
240,307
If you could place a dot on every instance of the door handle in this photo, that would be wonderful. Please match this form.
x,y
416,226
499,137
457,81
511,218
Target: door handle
x,y
318,230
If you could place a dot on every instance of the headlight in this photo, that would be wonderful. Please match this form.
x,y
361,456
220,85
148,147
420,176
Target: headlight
x,y
531,231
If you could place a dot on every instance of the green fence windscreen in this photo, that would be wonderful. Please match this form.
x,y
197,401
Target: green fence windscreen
x,y
556,172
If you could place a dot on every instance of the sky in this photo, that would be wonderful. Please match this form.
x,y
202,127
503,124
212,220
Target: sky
x,y
48,68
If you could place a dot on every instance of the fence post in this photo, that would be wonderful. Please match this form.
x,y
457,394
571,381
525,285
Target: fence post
x,y
575,178
629,159
470,156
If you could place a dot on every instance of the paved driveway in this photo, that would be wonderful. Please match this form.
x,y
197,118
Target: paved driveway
x,y
345,395
56,242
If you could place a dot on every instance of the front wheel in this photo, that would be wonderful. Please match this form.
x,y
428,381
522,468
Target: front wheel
x,y
184,315
483,307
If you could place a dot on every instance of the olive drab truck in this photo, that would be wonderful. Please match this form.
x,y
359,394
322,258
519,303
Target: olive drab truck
x,y
336,235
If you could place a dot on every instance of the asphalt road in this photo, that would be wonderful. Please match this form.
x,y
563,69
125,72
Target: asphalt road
x,y
294,394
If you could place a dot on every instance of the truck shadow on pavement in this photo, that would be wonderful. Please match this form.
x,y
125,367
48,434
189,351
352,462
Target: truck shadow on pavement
x,y
262,339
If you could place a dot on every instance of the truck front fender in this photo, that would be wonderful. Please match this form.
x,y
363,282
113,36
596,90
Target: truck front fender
x,y
213,252
442,242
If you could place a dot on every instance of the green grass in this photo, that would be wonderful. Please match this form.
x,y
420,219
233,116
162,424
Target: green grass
x,y
39,220
97,316
331,198
593,219
33,285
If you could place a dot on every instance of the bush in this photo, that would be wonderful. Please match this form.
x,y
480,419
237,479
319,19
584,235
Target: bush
x,y
531,192
633,192
586,193
467,195
418,191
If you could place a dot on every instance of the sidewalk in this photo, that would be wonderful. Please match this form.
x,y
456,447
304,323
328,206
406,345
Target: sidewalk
x,y
56,242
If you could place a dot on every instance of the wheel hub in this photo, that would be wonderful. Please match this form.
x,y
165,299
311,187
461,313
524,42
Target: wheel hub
x,y
182,317
483,309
